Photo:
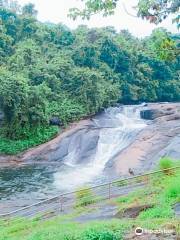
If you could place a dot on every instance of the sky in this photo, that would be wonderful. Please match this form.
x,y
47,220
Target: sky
x,y
56,11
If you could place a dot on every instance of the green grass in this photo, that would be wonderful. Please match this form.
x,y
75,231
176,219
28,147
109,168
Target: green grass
x,y
166,163
84,197
58,229
162,191
42,135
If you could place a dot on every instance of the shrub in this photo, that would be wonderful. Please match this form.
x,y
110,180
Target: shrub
x,y
35,137
173,189
84,197
100,235
165,164
156,212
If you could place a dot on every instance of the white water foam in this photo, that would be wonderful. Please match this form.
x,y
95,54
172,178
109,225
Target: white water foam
x,y
119,127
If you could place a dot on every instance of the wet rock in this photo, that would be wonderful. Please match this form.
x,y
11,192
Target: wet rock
x,y
173,117
133,212
79,146
177,209
151,114
59,153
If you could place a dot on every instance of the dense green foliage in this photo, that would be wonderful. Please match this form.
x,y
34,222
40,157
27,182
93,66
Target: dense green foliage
x,y
48,70
38,136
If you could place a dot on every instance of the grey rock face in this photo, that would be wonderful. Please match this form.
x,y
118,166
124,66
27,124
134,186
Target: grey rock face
x,y
81,145
151,114
172,150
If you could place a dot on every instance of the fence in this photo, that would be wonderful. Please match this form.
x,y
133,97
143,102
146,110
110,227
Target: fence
x,y
65,203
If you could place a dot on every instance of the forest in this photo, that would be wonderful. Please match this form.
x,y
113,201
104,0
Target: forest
x,y
50,71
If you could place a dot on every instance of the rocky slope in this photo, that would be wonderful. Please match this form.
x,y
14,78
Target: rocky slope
x,y
161,138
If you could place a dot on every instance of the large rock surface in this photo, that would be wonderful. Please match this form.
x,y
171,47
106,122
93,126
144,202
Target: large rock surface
x,y
151,113
83,135
159,139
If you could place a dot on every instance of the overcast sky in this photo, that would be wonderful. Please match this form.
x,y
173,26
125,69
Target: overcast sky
x,y
56,11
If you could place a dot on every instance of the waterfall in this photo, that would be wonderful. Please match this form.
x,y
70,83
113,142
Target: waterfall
x,y
118,127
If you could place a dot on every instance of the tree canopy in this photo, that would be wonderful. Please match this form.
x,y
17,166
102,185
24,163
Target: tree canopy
x,y
48,70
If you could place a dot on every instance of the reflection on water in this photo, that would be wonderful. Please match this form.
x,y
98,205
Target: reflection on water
x,y
27,179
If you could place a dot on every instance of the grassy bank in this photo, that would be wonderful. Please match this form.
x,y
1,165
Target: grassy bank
x,y
11,147
162,193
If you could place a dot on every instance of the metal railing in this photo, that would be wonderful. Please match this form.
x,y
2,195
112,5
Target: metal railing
x,y
64,203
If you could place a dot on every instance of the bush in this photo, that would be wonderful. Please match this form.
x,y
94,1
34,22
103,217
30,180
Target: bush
x,y
34,138
156,212
173,190
100,235
165,164
84,197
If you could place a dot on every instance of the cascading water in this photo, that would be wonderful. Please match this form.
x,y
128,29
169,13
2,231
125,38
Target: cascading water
x,y
118,127
80,159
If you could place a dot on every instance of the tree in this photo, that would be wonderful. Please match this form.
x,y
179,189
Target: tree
x,y
13,100
91,89
153,10
26,56
11,5
48,70
29,10
86,55
37,105
162,45
156,11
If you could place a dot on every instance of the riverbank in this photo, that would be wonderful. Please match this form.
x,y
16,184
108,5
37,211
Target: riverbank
x,y
31,155
35,138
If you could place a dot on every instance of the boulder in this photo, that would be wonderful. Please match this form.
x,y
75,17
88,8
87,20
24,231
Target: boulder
x,y
55,121
151,114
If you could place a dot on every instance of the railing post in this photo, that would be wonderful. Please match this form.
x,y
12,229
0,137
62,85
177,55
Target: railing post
x,y
61,204
109,190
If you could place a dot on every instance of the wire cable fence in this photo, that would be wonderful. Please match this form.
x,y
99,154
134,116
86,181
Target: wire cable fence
x,y
66,203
